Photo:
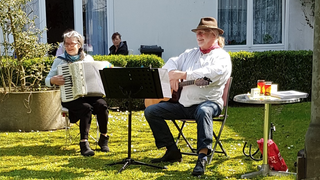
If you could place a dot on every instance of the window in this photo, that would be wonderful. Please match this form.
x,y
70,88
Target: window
x,y
233,20
267,21
95,26
261,24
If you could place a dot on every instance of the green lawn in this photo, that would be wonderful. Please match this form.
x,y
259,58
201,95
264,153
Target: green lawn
x,y
47,155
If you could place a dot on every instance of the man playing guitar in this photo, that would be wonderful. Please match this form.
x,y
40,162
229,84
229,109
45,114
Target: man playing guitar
x,y
208,61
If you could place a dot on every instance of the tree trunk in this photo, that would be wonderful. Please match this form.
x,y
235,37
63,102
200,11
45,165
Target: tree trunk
x,y
312,141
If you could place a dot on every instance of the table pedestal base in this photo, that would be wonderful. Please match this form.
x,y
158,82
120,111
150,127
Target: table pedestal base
x,y
264,171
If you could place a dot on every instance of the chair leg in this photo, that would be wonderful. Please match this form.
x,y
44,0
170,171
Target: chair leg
x,y
98,133
218,142
68,134
67,128
194,151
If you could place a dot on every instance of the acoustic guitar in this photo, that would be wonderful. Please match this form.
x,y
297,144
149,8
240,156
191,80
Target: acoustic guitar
x,y
176,94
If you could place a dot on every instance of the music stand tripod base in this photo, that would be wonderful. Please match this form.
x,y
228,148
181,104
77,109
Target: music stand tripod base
x,y
131,83
129,161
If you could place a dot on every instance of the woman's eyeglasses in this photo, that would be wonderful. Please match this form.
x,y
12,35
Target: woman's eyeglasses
x,y
70,44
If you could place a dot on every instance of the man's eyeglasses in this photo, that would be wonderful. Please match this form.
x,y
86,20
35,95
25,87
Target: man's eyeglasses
x,y
70,44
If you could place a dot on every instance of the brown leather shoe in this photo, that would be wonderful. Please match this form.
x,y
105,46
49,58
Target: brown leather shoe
x,y
169,156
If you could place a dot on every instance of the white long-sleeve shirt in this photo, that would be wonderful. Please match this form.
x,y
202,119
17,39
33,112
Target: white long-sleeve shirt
x,y
215,65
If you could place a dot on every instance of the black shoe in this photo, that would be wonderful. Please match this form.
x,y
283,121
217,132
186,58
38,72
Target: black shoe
x,y
103,143
85,149
169,156
200,167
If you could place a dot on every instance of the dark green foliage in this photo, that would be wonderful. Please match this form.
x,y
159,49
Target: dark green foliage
x,y
291,70
143,60
36,70
116,60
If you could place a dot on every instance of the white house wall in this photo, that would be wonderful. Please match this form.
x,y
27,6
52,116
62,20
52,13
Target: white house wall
x,y
300,34
166,23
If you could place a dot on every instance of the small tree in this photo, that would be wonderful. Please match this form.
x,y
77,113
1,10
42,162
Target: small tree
x,y
20,42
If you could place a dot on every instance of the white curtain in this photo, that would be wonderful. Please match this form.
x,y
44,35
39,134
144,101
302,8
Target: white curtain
x,y
233,20
267,21
96,26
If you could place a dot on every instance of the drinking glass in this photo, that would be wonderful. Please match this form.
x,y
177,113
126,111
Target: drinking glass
x,y
260,85
267,88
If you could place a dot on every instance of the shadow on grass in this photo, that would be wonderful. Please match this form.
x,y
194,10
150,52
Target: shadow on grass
x,y
38,150
41,174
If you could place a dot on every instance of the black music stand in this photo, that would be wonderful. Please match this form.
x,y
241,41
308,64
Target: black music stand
x,y
131,83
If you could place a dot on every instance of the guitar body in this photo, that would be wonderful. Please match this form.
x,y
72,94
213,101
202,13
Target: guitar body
x,y
176,95
149,102
174,99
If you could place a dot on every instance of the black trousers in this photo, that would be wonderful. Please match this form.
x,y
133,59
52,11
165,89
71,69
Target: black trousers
x,y
83,108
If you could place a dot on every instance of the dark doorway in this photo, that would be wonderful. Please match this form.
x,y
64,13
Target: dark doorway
x,y
60,16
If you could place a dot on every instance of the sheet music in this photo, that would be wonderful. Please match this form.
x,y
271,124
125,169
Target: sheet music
x,y
165,82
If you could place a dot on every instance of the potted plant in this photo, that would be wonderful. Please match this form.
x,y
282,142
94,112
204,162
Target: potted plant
x,y
24,104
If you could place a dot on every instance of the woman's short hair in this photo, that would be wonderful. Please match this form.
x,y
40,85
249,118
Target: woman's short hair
x,y
80,39
114,35
74,34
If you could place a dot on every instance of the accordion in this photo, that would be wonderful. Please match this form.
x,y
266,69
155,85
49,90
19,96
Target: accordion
x,y
82,79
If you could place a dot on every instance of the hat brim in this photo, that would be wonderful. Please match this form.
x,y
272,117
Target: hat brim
x,y
202,28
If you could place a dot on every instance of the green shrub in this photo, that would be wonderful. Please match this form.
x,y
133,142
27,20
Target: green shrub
x,y
116,60
142,60
291,70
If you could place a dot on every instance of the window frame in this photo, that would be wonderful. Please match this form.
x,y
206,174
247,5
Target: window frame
x,y
249,46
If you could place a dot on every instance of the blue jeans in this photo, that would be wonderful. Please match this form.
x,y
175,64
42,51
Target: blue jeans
x,y
157,114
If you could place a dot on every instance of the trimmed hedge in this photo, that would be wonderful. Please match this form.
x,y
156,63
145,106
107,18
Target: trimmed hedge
x,y
291,70
143,60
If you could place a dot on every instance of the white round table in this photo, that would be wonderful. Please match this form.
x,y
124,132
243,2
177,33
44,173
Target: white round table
x,y
267,101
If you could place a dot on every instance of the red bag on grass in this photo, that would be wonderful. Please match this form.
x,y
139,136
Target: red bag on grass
x,y
275,160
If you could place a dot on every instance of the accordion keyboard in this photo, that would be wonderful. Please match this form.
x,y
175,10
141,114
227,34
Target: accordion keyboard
x,y
66,89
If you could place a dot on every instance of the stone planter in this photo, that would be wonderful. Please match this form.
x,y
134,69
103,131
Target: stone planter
x,y
27,111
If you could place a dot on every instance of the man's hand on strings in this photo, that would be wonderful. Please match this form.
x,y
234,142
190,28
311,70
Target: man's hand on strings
x,y
174,77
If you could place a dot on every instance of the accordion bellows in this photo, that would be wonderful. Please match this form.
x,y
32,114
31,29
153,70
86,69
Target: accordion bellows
x,y
82,79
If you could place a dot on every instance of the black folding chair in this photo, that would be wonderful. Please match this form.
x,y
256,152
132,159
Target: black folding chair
x,y
221,118
65,114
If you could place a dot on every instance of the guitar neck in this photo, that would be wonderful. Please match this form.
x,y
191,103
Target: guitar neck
x,y
186,83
